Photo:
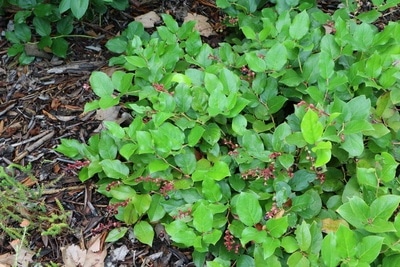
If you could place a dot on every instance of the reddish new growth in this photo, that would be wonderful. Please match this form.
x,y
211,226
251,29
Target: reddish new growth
x,y
230,243
312,107
166,187
182,214
231,146
112,209
249,75
77,165
105,227
160,87
265,174
272,212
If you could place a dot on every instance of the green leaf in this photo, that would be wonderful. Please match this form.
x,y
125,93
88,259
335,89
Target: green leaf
x,y
248,208
144,232
141,203
181,233
369,248
212,133
367,177
64,5
22,32
363,36
301,180
387,166
329,252
276,227
202,218
357,126
323,153
255,61
42,26
118,45
156,210
115,129
311,128
275,103
122,192
145,142
248,32
297,259
219,171
79,7
369,16
252,234
326,65
303,236
195,135
347,240
171,24
383,207
65,25
211,190
186,161
239,124
116,234
101,84
276,57
300,25
355,211
353,144
114,168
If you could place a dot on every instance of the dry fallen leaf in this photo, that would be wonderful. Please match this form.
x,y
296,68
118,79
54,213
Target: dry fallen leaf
x,y
204,28
329,225
7,260
25,255
148,19
73,256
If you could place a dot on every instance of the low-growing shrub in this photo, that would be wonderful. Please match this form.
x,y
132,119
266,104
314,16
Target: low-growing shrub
x,y
277,149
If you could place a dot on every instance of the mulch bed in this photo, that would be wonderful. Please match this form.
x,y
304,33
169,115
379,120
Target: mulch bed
x,y
43,102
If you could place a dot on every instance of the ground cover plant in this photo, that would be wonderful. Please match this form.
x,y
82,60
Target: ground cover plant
x,y
277,148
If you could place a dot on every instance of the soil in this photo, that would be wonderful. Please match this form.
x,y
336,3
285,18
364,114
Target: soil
x,y
43,102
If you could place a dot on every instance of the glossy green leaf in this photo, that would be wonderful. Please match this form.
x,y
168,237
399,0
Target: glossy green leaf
x,y
347,242
300,25
256,61
369,248
186,161
101,84
355,211
114,168
276,57
202,218
276,227
42,26
79,7
323,153
195,135
156,210
303,236
248,209
252,234
116,234
59,47
239,124
311,128
144,232
211,190
353,144
181,233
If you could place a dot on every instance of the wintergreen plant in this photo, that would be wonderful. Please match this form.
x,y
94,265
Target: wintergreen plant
x,y
276,149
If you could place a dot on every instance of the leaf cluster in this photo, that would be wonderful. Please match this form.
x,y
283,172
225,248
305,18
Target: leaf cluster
x,y
279,148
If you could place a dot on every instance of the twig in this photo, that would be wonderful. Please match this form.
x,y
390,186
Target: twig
x,y
34,146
